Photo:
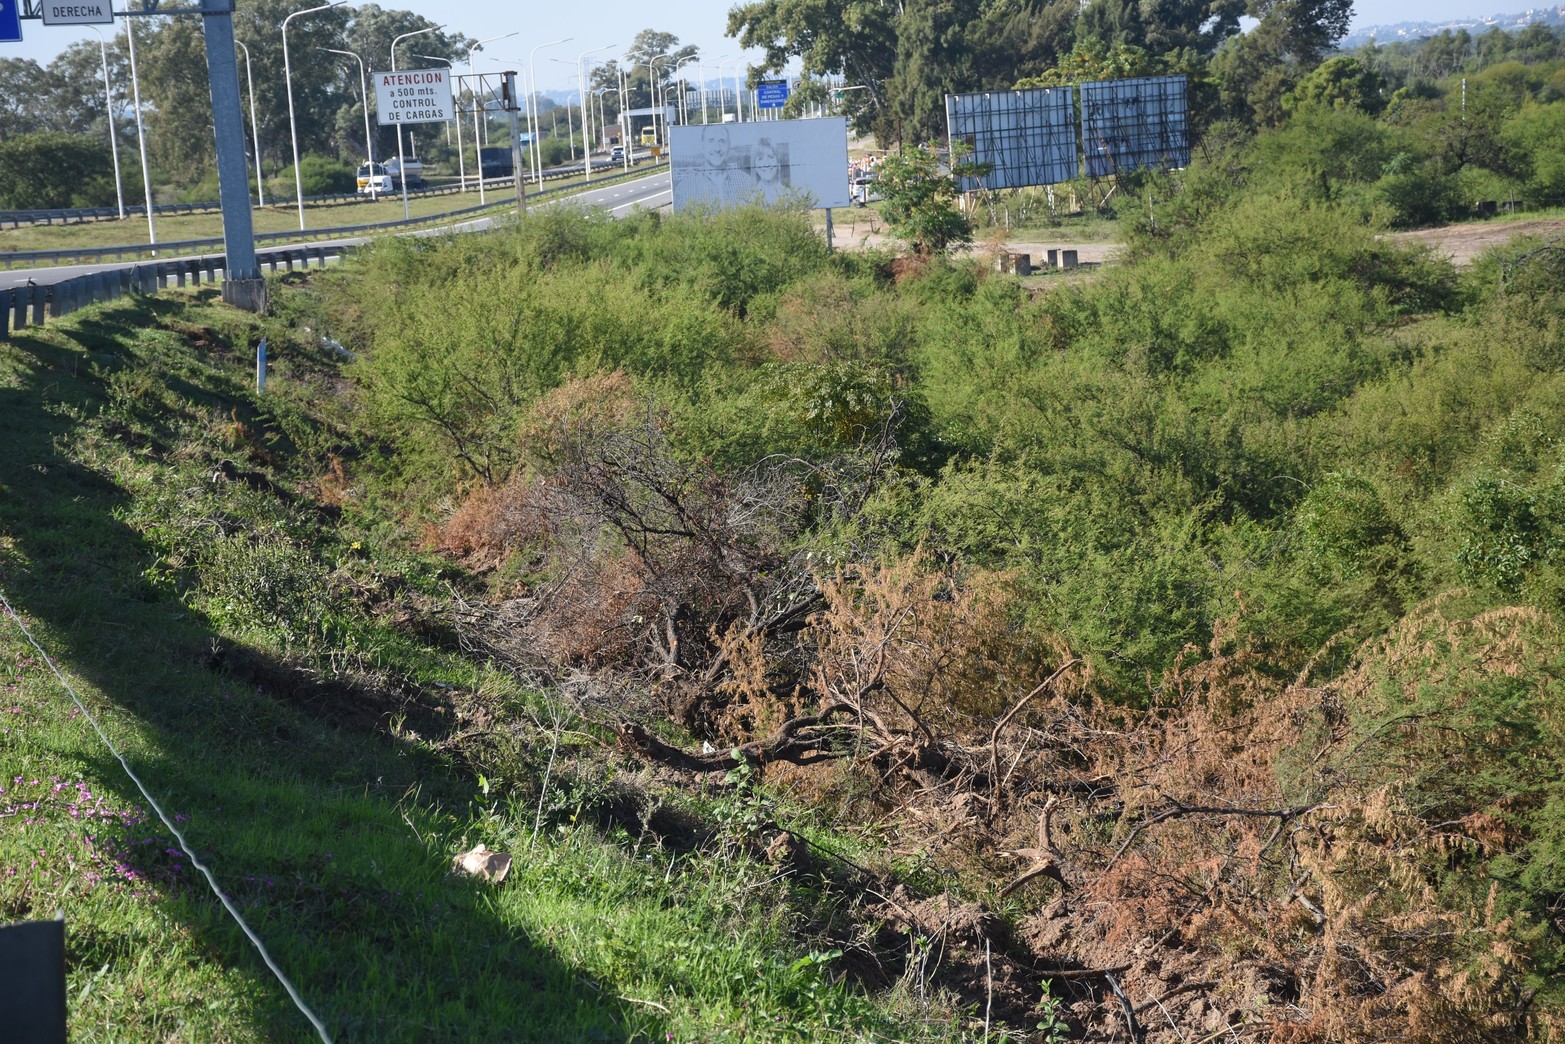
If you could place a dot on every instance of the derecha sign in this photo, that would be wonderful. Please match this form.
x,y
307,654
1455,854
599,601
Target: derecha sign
x,y
413,96
77,12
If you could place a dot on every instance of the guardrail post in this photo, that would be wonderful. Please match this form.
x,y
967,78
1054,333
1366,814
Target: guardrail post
x,y
39,294
18,309
7,303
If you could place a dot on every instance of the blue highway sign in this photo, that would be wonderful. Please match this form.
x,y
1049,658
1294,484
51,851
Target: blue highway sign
x,y
771,94
10,21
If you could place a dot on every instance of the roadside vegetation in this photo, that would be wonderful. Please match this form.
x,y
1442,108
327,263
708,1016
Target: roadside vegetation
x,y
843,645
840,643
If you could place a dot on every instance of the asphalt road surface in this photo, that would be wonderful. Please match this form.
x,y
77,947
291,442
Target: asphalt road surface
x,y
619,199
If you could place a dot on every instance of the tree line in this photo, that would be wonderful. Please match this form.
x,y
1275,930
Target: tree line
x,y
55,118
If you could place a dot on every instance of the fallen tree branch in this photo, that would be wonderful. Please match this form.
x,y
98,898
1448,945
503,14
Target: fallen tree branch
x,y
785,744
1005,719
1177,809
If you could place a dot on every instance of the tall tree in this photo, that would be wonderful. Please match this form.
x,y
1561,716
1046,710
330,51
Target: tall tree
x,y
933,60
852,39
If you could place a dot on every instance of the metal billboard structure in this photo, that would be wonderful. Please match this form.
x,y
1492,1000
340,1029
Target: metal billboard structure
x,y
723,165
1130,124
1026,137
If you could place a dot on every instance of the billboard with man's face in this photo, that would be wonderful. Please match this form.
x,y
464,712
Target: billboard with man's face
x,y
775,161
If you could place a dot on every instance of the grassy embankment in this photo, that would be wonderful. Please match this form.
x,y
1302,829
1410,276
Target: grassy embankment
x,y
321,758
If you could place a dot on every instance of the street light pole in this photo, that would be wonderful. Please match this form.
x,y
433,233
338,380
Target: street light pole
x,y
602,124
624,127
369,146
402,163
586,117
461,176
478,156
652,90
293,129
108,111
532,76
701,67
141,132
255,130
684,106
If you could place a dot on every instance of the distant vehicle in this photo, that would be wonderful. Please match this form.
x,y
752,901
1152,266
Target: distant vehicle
x,y
373,180
649,136
414,169
495,162
617,154
861,185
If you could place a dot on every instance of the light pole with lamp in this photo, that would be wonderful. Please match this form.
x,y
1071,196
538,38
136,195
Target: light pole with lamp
x,y
652,91
402,163
369,146
602,121
532,77
586,117
478,156
141,132
684,106
293,129
701,67
108,112
458,122
739,91
255,130
570,132
624,124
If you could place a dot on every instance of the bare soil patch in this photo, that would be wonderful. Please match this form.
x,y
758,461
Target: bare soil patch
x,y
1462,244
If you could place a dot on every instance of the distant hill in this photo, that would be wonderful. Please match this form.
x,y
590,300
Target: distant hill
x,y
1390,33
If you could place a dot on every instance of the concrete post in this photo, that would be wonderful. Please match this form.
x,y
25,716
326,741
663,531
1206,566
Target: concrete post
x,y
245,287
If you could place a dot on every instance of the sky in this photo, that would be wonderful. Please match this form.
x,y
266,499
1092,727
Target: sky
x,y
699,22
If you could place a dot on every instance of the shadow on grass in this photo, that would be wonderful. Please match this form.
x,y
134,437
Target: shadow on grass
x,y
332,840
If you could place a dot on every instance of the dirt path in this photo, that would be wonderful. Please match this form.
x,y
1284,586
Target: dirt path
x,y
1461,244
862,230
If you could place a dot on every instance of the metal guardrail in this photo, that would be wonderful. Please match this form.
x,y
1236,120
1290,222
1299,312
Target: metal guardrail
x,y
24,306
34,258
82,215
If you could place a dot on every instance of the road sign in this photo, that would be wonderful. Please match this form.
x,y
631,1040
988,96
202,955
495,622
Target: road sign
x,y
76,12
771,94
413,96
10,22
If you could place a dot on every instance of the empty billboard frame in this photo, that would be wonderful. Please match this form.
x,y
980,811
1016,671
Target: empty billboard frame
x,y
1026,137
730,164
1130,124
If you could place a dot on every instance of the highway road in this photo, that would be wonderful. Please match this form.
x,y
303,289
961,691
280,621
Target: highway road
x,y
622,198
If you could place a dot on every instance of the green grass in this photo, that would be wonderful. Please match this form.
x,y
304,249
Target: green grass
x,y
271,218
329,812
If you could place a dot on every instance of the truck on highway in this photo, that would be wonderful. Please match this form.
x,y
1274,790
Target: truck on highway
x,y
412,168
495,161
373,180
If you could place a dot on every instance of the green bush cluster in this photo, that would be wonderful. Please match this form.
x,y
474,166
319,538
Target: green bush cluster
x,y
1271,413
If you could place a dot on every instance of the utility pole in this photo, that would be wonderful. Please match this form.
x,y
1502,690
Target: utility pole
x,y
243,285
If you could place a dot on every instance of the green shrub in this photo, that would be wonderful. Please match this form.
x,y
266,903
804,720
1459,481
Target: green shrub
x,y
47,170
318,176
